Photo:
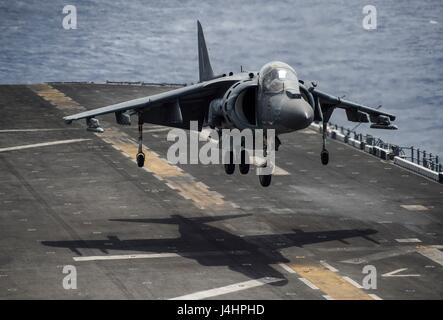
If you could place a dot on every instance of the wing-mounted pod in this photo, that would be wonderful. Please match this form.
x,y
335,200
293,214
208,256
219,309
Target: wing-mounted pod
x,y
382,122
357,116
93,125
174,112
123,118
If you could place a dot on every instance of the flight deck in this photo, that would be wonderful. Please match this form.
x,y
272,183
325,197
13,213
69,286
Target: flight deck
x,y
69,197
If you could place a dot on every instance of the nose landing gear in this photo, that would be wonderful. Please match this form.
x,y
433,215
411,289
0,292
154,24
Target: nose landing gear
x,y
265,179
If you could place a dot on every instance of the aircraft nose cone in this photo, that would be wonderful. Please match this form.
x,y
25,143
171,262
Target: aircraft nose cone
x,y
296,114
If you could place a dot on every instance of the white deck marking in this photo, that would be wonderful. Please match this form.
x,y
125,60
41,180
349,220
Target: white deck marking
x,y
374,296
395,273
286,268
127,256
408,240
354,283
328,266
44,144
432,253
327,297
157,130
308,283
414,207
227,289
35,130
259,161
381,255
160,255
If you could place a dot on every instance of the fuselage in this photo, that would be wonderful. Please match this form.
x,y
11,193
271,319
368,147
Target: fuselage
x,y
268,99
281,105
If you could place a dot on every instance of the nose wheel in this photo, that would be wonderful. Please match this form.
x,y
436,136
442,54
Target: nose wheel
x,y
265,179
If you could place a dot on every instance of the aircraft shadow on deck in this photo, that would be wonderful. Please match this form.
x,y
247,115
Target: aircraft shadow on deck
x,y
251,255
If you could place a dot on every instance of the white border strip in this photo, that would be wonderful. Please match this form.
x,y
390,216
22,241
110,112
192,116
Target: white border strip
x,y
127,256
308,283
227,289
44,144
354,283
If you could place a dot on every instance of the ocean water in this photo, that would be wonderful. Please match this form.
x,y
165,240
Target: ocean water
x,y
398,65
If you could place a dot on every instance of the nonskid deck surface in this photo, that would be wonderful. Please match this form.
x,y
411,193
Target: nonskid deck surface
x,y
72,197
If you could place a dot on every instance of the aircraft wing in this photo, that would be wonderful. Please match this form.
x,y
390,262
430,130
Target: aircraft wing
x,y
355,112
202,93
135,104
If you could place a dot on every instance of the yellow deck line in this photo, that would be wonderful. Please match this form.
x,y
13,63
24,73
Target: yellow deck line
x,y
174,177
331,283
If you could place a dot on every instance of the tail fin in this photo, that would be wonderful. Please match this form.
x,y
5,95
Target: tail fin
x,y
204,64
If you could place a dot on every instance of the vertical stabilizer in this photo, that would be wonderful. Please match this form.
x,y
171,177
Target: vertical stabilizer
x,y
204,65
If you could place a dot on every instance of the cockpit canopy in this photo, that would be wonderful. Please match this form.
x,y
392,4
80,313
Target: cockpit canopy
x,y
278,76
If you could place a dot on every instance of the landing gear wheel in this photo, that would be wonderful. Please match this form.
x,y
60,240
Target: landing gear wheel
x,y
140,159
265,179
230,167
324,157
140,155
244,167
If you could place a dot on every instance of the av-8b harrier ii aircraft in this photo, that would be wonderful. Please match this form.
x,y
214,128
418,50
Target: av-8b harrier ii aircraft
x,y
273,98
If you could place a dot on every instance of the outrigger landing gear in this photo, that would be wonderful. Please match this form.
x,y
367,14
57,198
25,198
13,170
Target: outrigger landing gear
x,y
324,155
140,155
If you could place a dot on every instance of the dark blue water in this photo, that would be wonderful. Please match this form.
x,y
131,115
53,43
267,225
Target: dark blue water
x,y
399,65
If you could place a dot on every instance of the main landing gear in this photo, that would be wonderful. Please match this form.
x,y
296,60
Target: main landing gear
x,y
230,166
243,165
324,155
140,158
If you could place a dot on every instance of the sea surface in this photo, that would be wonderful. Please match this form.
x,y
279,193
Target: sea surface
x,y
398,65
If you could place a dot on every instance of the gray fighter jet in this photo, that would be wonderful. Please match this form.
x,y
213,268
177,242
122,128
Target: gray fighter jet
x,y
273,98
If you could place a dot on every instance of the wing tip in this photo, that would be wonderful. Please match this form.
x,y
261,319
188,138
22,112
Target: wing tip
x,y
68,120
